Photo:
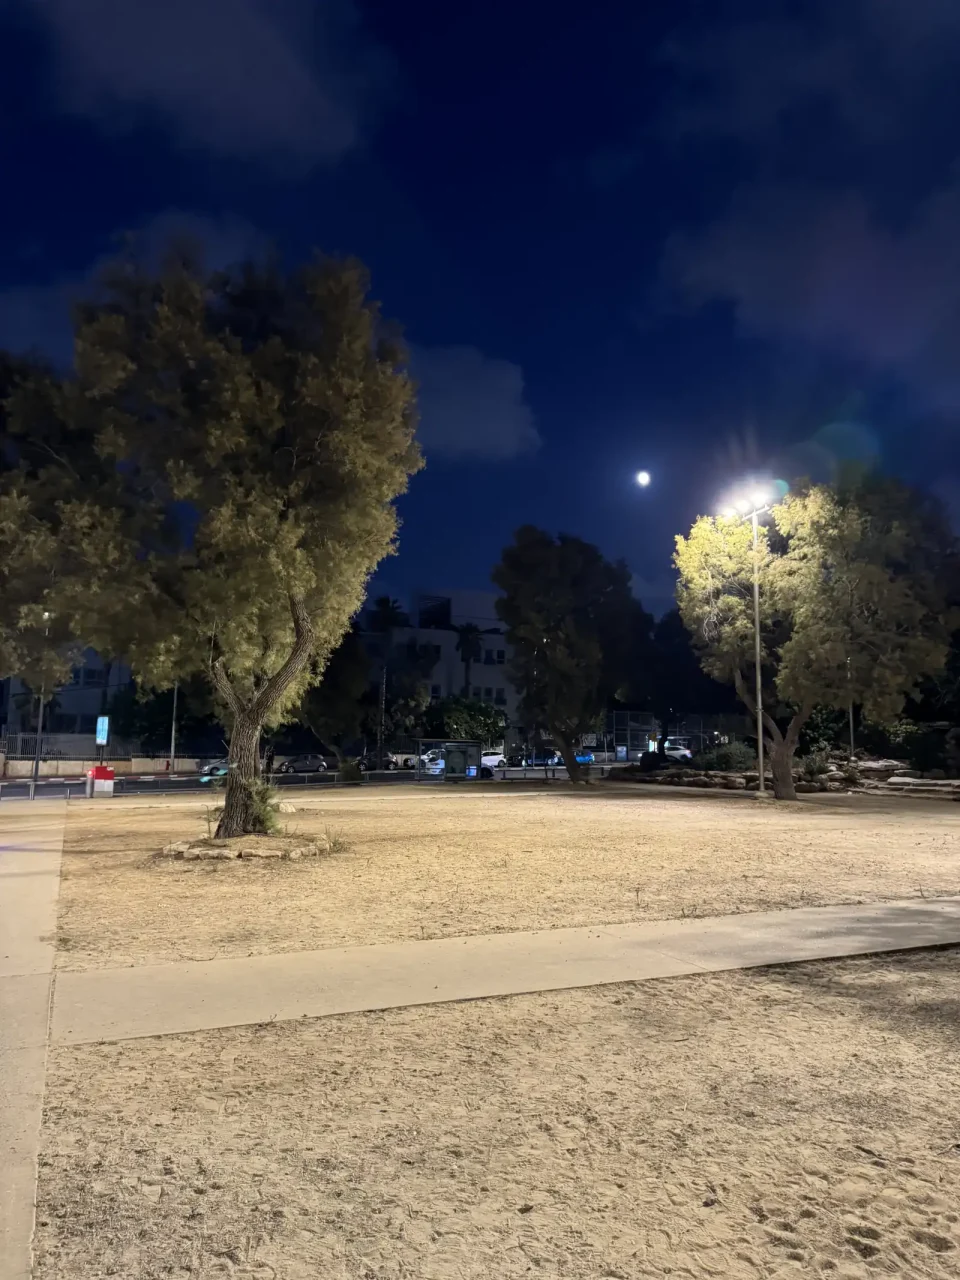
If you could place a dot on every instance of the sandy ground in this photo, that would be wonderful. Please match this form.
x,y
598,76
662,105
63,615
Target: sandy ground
x,y
434,864
801,1121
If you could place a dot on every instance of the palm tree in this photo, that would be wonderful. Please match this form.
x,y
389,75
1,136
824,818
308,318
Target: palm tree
x,y
470,649
387,614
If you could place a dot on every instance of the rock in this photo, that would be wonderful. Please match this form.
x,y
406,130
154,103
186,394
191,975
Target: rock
x,y
285,807
935,774
257,852
735,784
803,788
177,849
907,773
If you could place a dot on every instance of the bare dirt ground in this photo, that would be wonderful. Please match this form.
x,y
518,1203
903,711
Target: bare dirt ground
x,y
416,864
770,1123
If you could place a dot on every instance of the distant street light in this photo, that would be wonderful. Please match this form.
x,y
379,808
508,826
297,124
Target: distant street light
x,y
754,506
643,479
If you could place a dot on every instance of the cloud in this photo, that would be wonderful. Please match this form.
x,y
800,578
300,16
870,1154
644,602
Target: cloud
x,y
823,268
38,318
841,235
471,405
867,63
278,81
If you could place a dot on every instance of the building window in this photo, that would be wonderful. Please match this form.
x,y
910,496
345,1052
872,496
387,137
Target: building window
x,y
434,691
94,677
88,724
501,698
488,695
476,691
501,657
488,658
76,675
63,723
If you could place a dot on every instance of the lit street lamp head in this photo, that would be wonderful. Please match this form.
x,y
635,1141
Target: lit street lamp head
x,y
643,479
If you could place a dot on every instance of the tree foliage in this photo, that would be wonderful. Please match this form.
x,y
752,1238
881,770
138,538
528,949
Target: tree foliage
x,y
468,719
852,604
667,676
569,616
214,483
146,715
334,710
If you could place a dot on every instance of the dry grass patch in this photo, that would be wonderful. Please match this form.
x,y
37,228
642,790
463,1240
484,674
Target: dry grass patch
x,y
801,1121
417,863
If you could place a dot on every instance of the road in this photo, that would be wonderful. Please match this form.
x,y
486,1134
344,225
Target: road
x,y
74,787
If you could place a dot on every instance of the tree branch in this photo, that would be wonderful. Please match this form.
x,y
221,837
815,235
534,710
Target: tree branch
x,y
299,656
800,718
223,686
751,704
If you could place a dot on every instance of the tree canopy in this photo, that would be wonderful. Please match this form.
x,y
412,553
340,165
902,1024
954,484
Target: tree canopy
x,y
466,718
213,484
569,615
852,604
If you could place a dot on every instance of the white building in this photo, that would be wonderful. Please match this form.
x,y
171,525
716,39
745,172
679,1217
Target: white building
x,y
434,620
73,707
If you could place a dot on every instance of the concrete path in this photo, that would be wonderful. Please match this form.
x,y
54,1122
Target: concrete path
x,y
31,841
117,1004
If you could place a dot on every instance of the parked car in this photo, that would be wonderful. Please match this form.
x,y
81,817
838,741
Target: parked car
x,y
214,769
311,763
370,763
492,760
677,749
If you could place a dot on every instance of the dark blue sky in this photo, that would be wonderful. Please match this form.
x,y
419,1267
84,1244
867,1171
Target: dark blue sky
x,y
699,238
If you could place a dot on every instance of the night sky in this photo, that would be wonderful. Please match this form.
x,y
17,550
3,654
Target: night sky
x,y
705,239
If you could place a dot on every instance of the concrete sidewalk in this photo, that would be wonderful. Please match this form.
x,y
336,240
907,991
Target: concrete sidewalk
x,y
31,841
117,1004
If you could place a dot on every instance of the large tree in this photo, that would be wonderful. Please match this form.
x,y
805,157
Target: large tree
x,y
852,606
334,710
569,615
214,482
668,678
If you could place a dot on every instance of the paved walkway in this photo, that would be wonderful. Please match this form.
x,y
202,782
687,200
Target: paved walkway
x,y
118,1004
31,839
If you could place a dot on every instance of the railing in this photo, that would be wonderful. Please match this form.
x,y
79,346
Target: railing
x,y
193,784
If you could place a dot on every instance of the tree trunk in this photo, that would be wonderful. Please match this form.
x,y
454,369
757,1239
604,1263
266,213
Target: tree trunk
x,y
569,753
781,766
240,815
467,672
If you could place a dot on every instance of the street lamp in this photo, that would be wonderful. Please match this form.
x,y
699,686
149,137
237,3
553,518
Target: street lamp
x,y
754,506
643,479
43,694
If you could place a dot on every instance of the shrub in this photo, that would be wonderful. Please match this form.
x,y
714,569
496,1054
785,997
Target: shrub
x,y
734,757
265,803
815,764
350,771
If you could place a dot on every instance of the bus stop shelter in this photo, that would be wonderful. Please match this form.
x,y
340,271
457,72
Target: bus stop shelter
x,y
447,760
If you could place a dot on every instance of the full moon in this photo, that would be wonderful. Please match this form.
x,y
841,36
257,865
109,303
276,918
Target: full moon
x,y
643,478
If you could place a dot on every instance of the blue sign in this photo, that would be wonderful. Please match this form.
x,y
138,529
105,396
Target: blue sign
x,y
471,770
103,730
621,753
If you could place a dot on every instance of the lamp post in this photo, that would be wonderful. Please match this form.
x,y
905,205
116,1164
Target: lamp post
x,y
754,507
37,745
